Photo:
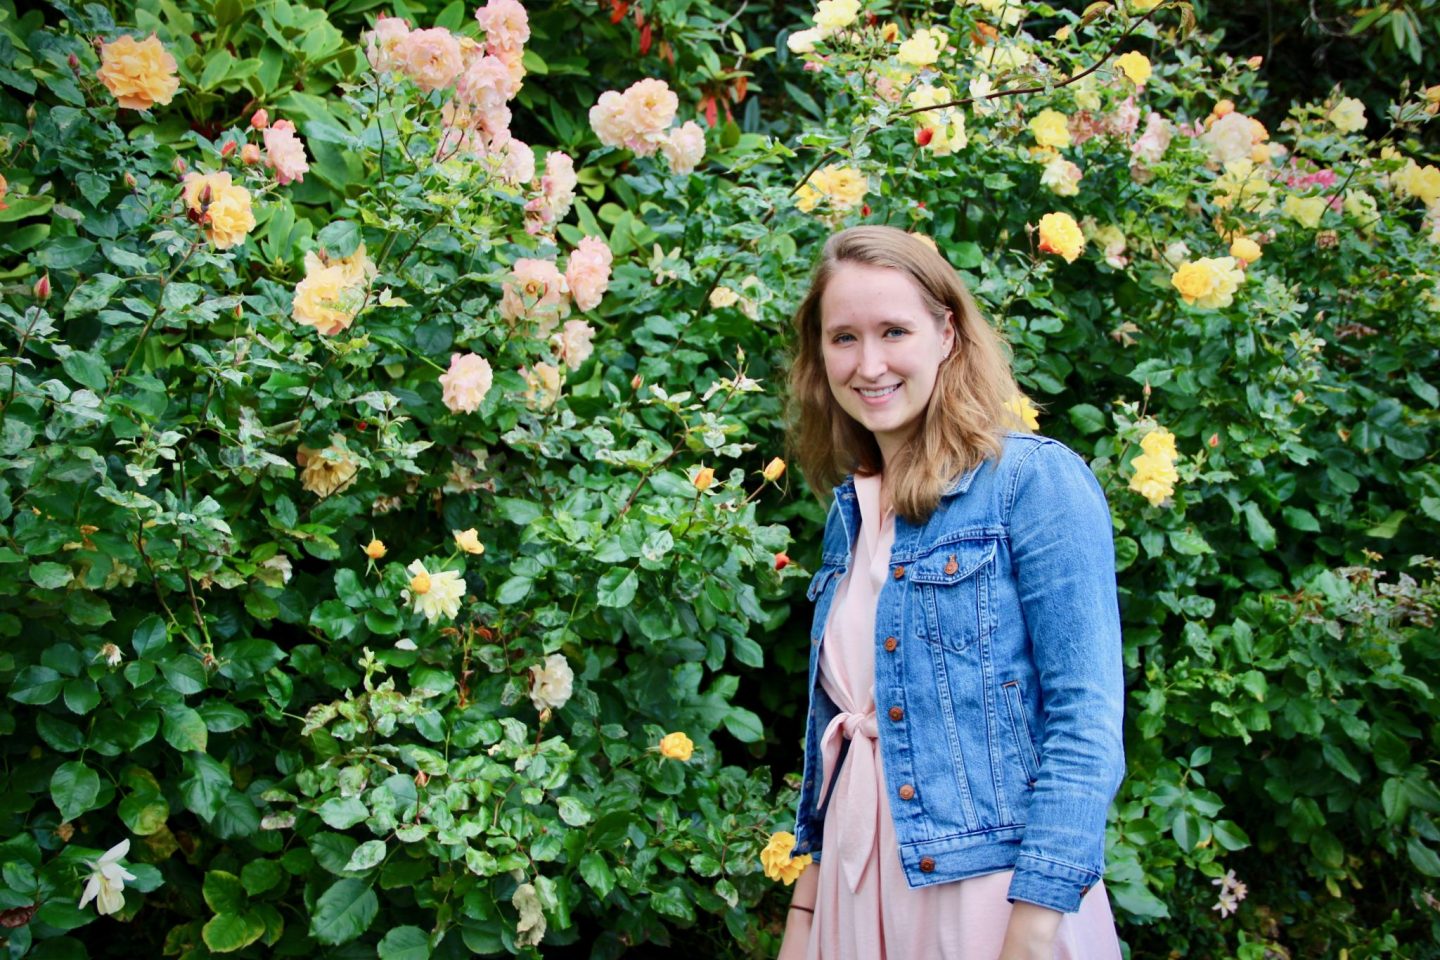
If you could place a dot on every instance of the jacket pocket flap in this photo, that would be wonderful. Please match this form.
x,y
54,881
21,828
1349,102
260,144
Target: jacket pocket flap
x,y
817,583
953,562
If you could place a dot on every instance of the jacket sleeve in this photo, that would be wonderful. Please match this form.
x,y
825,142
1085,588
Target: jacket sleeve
x,y
1063,553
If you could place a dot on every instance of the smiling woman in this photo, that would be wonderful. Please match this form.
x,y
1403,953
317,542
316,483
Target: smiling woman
x,y
966,819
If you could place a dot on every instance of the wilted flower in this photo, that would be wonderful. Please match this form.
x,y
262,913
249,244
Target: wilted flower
x,y
465,384
1060,234
469,541
551,683
1305,211
138,74
276,571
112,655
535,289
106,884
223,207
777,860
1233,137
676,746
922,49
1232,891
434,595
1061,176
542,385
328,471
1153,143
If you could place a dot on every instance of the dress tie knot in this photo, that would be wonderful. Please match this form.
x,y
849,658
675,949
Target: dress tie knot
x,y
858,786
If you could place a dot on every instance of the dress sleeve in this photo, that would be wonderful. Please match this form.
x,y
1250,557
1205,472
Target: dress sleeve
x,y
1063,553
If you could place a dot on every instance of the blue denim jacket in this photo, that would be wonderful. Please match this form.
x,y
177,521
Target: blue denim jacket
x,y
998,637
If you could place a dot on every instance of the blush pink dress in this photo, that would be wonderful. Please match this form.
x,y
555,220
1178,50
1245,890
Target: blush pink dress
x,y
865,909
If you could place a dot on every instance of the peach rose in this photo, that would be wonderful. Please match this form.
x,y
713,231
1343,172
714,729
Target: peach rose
x,y
138,74
536,289
284,152
382,45
431,58
466,383
684,147
573,344
587,274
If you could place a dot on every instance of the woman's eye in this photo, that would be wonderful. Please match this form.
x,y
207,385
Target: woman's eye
x,y
842,338
896,332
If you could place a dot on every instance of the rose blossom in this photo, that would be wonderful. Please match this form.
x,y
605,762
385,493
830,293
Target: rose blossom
x,y
382,45
485,84
684,147
506,26
467,381
535,289
519,164
573,343
285,152
551,683
588,272
1154,141
139,74
431,58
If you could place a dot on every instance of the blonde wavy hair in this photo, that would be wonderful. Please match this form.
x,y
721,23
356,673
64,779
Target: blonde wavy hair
x,y
971,407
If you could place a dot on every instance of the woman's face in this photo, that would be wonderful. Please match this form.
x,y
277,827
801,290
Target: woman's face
x,y
882,349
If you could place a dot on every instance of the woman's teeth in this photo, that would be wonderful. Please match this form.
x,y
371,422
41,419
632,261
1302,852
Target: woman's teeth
x,y
879,391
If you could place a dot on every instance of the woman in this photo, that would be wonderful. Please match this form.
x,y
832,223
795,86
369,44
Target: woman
x,y
964,733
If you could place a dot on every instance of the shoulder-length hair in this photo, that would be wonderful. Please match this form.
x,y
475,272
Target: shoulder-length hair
x,y
974,401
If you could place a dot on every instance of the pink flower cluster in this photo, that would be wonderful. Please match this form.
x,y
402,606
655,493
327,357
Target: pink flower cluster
x,y
557,193
639,120
1121,122
284,152
537,290
1297,180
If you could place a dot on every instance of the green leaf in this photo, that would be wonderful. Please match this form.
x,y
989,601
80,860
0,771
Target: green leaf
x,y
92,295
574,812
1424,859
343,812
343,912
513,590
339,239
257,876
74,787
36,685
367,855
1087,418
1389,527
1339,762
184,674
149,636
224,893
1189,542
596,872
87,369
144,813
205,786
65,253
744,725
185,729
50,576
617,587
405,943
1259,528
228,932
81,695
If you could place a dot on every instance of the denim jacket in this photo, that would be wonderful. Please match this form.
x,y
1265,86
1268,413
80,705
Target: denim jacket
x,y
998,638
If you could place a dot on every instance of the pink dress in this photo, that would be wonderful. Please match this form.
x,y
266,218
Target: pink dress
x,y
865,909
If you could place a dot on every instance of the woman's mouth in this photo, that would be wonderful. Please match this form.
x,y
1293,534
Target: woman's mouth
x,y
875,394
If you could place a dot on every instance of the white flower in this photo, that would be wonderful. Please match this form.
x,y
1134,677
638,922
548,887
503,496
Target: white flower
x,y
106,885
551,683
112,655
436,595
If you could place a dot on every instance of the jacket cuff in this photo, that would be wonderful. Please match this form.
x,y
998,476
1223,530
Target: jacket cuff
x,y
1048,883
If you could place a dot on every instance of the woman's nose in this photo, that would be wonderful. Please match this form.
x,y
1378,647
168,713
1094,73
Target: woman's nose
x,y
872,360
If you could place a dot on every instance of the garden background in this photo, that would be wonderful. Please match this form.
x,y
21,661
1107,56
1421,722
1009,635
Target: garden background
x,y
393,555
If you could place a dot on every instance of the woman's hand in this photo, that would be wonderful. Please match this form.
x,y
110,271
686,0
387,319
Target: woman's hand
x,y
797,924
1030,934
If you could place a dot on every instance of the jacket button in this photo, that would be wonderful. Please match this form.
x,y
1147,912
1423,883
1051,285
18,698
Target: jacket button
x,y
951,567
890,644
927,864
896,714
1085,889
899,572
907,792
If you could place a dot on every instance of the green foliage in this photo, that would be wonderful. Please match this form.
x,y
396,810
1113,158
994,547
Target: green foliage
x,y
200,656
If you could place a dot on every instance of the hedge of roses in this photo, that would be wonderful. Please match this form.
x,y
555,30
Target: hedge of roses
x,y
398,552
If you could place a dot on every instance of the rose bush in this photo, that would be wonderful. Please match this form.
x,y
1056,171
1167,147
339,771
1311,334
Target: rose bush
x,y
395,551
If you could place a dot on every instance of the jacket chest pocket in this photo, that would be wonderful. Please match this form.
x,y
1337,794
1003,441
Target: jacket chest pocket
x,y
821,593
953,585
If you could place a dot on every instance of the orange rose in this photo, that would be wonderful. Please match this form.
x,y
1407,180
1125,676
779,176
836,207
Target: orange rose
x,y
138,74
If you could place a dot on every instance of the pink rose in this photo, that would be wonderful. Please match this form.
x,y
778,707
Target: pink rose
x,y
573,343
519,164
431,58
285,152
588,272
557,193
506,26
485,84
535,290
467,381
1154,141
684,147
650,107
382,43
1125,118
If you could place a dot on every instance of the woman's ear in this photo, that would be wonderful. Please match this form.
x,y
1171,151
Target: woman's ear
x,y
947,337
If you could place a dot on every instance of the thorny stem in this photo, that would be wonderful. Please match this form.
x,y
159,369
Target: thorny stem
x,y
159,309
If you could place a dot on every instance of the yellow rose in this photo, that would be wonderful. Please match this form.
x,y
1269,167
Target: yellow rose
x,y
1051,129
777,861
327,471
139,75
1154,478
1159,442
1135,66
375,549
1245,249
1208,283
223,206
1414,180
843,187
676,746
332,292
1359,205
1060,234
703,478
773,470
1305,211
1024,411
923,48
835,15
420,584
469,541
1348,116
